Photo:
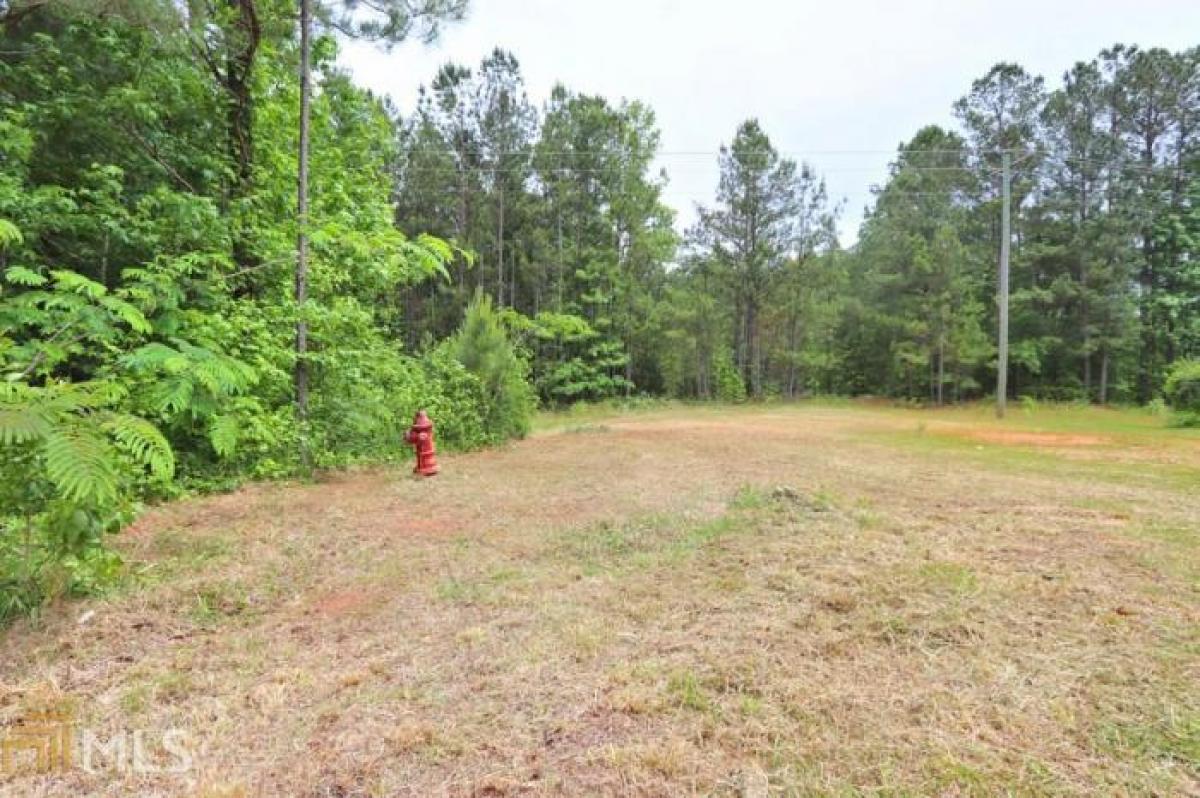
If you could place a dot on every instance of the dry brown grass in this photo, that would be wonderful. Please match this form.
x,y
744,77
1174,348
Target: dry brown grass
x,y
808,600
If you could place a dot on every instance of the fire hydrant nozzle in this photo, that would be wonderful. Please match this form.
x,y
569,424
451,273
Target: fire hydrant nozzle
x,y
420,435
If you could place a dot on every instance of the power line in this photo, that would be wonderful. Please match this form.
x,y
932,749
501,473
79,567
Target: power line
x,y
453,169
1120,165
681,153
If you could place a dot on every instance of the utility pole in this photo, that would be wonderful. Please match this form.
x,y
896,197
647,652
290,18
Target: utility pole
x,y
301,288
1005,237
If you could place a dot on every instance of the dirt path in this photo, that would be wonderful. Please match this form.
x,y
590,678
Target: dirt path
x,y
662,604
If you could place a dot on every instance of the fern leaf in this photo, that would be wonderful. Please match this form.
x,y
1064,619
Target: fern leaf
x,y
20,424
224,433
156,356
172,395
9,233
21,275
80,463
28,413
67,280
126,313
142,440
210,375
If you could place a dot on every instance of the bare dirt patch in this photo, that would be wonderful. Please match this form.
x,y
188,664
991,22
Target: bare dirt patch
x,y
1042,439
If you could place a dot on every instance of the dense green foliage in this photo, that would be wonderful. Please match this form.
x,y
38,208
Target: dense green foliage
x,y
1105,263
1182,390
571,236
483,347
480,253
1105,259
147,174
575,246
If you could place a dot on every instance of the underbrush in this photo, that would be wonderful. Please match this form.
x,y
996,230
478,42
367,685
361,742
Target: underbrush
x,y
81,459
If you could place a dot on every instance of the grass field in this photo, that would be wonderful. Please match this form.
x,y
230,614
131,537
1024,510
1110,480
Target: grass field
x,y
792,600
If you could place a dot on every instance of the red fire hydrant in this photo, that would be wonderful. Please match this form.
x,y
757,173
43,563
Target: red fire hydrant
x,y
420,435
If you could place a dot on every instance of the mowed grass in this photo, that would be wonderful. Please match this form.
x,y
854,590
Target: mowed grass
x,y
788,600
1126,446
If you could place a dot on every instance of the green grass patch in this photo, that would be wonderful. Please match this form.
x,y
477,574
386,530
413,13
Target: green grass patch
x,y
217,602
586,429
1175,737
174,553
749,497
686,691
1137,423
461,591
948,577
1022,459
1172,549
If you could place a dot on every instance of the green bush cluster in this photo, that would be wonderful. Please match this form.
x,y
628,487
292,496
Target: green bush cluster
x,y
729,384
1182,391
161,415
483,348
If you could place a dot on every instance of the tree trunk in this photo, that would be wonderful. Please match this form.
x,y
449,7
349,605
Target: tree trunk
x,y
1087,367
301,288
941,372
1104,377
561,266
500,254
1148,279
739,337
628,369
462,221
239,67
793,338
752,333
932,378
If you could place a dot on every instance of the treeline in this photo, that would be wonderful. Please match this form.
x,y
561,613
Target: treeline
x,y
1105,238
560,208
558,217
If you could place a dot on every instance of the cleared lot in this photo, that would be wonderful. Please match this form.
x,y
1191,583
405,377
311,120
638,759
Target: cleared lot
x,y
804,599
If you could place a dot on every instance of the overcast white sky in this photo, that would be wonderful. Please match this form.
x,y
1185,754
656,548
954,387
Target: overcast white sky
x,y
824,78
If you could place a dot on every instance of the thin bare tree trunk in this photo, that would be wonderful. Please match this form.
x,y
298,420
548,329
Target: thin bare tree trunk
x,y
500,254
755,348
301,288
941,372
561,267
1104,378
793,337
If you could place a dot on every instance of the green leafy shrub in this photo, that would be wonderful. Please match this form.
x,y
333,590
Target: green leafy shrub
x,y
140,266
454,398
728,383
1182,391
571,360
484,349
365,405
1157,407
187,389
65,481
